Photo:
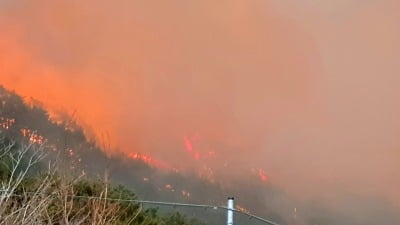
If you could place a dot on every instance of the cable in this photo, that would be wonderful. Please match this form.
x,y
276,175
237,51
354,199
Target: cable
x,y
251,216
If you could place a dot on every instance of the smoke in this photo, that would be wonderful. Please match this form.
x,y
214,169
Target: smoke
x,y
152,74
308,92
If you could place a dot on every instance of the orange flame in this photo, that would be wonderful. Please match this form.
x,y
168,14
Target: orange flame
x,y
242,209
149,161
6,123
33,136
196,154
263,175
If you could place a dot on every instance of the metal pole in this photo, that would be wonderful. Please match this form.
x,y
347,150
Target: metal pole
x,y
230,211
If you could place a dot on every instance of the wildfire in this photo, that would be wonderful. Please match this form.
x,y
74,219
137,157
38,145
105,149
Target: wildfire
x,y
71,152
261,174
194,145
201,152
169,187
207,173
189,143
33,136
6,123
185,194
149,161
242,209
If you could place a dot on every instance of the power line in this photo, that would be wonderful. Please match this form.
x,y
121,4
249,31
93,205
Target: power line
x,y
149,202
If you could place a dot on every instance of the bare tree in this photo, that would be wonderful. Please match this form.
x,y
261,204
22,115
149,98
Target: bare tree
x,y
52,198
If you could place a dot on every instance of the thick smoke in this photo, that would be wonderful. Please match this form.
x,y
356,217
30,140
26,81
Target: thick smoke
x,y
67,145
152,74
305,91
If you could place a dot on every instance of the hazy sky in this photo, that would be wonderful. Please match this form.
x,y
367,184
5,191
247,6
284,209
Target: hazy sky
x,y
307,90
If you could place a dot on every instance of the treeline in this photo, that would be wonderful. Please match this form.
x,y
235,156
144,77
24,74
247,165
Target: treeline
x,y
50,198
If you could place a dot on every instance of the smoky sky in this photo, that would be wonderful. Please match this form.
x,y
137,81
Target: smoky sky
x,y
306,91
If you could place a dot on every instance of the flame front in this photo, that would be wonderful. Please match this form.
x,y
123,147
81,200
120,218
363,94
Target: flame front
x,y
150,161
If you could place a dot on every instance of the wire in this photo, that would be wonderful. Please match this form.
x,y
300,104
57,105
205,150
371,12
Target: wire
x,y
251,216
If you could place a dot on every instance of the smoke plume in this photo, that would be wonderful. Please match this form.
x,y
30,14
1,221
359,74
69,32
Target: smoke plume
x,y
303,93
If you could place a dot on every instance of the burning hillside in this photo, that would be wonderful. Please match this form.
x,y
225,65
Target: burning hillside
x,y
66,143
257,99
39,132
153,178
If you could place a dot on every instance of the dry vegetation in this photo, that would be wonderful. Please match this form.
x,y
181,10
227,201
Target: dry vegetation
x,y
31,197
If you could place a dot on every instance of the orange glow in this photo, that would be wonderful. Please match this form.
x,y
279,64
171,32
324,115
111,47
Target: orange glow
x,y
206,173
263,175
188,144
277,83
28,77
6,123
239,207
33,136
71,152
169,187
185,194
58,55
150,161
194,152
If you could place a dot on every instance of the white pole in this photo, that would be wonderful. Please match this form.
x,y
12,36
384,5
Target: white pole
x,y
230,211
